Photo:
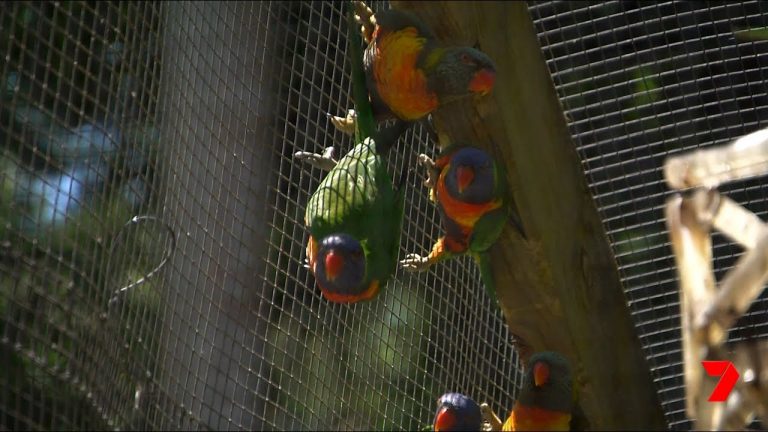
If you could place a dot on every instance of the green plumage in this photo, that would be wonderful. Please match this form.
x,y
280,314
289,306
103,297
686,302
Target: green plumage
x,y
470,190
487,230
483,261
366,125
489,227
357,196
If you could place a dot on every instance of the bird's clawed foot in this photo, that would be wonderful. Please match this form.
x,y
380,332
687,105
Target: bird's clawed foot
x,y
415,262
345,124
367,20
323,161
432,173
491,422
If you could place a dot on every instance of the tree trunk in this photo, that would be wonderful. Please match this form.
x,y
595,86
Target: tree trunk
x,y
217,138
559,289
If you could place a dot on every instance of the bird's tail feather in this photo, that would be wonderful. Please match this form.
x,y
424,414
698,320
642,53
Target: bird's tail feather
x,y
365,122
483,260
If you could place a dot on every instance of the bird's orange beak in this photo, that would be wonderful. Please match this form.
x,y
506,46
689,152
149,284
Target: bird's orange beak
x,y
540,374
482,82
464,176
444,420
333,264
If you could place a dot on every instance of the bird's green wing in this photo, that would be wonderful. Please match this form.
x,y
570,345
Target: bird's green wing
x,y
357,197
487,230
484,234
351,185
346,193
386,226
483,261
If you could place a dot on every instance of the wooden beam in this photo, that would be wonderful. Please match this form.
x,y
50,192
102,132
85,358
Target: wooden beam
x,y
559,289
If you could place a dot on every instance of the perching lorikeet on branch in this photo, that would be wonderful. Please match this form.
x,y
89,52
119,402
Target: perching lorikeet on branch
x,y
456,412
355,215
546,398
410,74
470,190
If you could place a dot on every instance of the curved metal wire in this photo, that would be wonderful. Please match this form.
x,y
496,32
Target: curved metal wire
x,y
169,251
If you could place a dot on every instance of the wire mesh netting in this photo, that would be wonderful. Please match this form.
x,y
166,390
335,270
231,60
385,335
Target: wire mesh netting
x,y
640,81
233,332
136,132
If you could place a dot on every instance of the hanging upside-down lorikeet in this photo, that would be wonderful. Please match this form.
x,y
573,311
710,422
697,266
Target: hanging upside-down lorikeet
x,y
456,412
354,220
470,190
355,215
546,397
410,74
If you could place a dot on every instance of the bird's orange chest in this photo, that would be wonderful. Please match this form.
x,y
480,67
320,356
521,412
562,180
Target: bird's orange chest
x,y
525,418
464,214
400,84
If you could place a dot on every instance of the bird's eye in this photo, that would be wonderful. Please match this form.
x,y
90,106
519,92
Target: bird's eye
x,y
465,58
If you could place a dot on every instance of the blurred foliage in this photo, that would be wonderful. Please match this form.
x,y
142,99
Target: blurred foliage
x,y
636,250
77,144
379,350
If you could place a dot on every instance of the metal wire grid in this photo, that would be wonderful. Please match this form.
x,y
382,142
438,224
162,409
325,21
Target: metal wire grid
x,y
76,162
375,365
424,334
370,381
233,333
639,81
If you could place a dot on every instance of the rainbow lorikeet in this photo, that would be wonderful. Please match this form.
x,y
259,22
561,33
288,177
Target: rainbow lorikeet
x,y
546,397
470,190
456,412
409,73
355,215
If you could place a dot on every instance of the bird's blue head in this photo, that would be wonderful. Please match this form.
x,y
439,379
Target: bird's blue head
x,y
456,412
548,382
340,268
470,177
460,72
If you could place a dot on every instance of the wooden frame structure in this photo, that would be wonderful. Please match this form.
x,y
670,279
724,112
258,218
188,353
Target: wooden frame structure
x,y
707,312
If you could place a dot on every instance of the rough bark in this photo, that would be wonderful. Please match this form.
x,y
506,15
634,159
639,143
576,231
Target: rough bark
x,y
559,289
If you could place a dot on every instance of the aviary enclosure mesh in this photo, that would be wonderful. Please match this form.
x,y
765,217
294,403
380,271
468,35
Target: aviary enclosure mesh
x,y
133,134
